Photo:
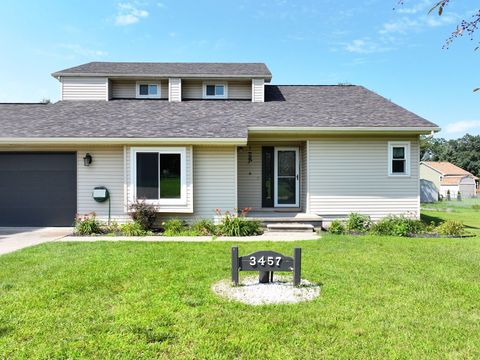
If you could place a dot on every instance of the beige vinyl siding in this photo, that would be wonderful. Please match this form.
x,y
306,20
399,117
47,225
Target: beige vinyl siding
x,y
175,90
351,175
126,89
106,170
427,173
258,90
237,89
84,88
186,208
250,174
214,180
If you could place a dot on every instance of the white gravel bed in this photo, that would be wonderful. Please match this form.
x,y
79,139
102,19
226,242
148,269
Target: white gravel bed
x,y
281,291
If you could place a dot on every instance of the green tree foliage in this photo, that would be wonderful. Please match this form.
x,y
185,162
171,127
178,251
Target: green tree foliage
x,y
463,152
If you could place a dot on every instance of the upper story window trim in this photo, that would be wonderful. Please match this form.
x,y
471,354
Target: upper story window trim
x,y
150,86
220,90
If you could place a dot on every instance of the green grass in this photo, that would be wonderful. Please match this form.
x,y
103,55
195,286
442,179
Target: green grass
x,y
466,211
380,298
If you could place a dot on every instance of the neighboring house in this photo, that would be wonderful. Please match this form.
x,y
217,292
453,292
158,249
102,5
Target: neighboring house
x,y
438,178
192,137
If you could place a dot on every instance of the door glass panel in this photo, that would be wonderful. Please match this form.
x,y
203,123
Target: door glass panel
x,y
286,190
286,163
170,182
147,176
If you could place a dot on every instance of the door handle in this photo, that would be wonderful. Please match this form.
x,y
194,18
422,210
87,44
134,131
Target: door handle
x,y
297,177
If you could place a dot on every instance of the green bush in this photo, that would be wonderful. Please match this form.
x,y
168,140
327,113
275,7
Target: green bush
x,y
87,225
398,226
476,207
174,227
451,227
133,229
143,213
358,223
238,225
204,227
337,227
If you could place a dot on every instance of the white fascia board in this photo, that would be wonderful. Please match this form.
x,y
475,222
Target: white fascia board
x,y
163,76
124,141
333,130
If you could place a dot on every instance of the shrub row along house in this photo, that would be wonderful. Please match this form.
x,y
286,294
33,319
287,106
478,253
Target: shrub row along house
x,y
193,137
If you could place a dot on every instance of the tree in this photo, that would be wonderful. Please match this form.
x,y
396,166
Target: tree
x,y
463,152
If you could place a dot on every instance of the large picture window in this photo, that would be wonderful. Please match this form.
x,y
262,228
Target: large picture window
x,y
159,175
399,158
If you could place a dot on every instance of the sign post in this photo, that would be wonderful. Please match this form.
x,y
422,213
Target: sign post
x,y
266,262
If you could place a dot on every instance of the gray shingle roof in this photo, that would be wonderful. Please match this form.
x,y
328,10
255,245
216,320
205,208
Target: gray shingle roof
x,y
168,69
285,106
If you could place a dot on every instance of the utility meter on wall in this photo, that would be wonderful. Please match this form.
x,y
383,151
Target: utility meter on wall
x,y
100,193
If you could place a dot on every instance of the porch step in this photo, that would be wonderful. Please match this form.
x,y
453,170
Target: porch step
x,y
297,227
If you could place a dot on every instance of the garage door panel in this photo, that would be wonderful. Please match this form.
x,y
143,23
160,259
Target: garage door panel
x,y
38,189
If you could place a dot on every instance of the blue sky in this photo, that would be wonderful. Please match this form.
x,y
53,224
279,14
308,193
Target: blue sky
x,y
397,53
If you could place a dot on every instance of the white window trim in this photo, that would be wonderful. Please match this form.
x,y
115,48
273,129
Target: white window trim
x,y
183,173
406,145
225,93
137,90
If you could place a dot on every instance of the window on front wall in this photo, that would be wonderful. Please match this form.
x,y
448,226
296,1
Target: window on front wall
x,y
148,90
399,158
214,90
160,175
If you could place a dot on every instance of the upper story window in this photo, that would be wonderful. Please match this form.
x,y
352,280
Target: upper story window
x,y
159,175
148,90
399,158
215,90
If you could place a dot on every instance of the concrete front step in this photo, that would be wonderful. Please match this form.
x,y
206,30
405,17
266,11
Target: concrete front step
x,y
296,227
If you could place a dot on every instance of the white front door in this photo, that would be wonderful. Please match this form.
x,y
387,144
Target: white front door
x,y
287,177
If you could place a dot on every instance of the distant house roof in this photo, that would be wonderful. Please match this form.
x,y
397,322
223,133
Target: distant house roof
x,y
158,69
309,108
447,168
452,180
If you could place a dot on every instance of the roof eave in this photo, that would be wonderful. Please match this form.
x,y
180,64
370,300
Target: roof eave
x,y
342,130
267,78
121,141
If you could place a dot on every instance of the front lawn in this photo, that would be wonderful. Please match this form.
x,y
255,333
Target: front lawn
x,y
380,298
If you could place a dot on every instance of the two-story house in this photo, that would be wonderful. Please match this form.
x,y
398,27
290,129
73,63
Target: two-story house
x,y
193,137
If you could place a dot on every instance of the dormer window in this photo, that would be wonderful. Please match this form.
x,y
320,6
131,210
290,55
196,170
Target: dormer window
x,y
215,90
148,90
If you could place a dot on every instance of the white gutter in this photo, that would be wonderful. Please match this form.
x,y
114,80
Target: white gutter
x,y
124,141
267,78
336,130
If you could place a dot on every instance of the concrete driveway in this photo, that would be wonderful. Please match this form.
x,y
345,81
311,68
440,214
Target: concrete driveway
x,y
13,239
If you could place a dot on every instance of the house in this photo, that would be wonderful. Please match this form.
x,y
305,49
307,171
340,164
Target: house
x,y
193,137
439,178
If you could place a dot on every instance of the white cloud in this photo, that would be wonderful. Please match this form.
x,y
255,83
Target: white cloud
x,y
463,127
83,51
407,24
128,14
424,5
365,46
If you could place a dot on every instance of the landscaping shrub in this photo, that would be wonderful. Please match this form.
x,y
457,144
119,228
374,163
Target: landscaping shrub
x,y
143,213
204,227
476,207
397,226
358,223
87,225
238,225
133,229
174,227
337,227
451,227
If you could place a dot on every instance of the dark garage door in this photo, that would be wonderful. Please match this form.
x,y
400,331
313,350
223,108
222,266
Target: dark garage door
x,y
37,189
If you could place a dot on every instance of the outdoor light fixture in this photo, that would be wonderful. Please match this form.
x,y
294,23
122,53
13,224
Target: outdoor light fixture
x,y
87,160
